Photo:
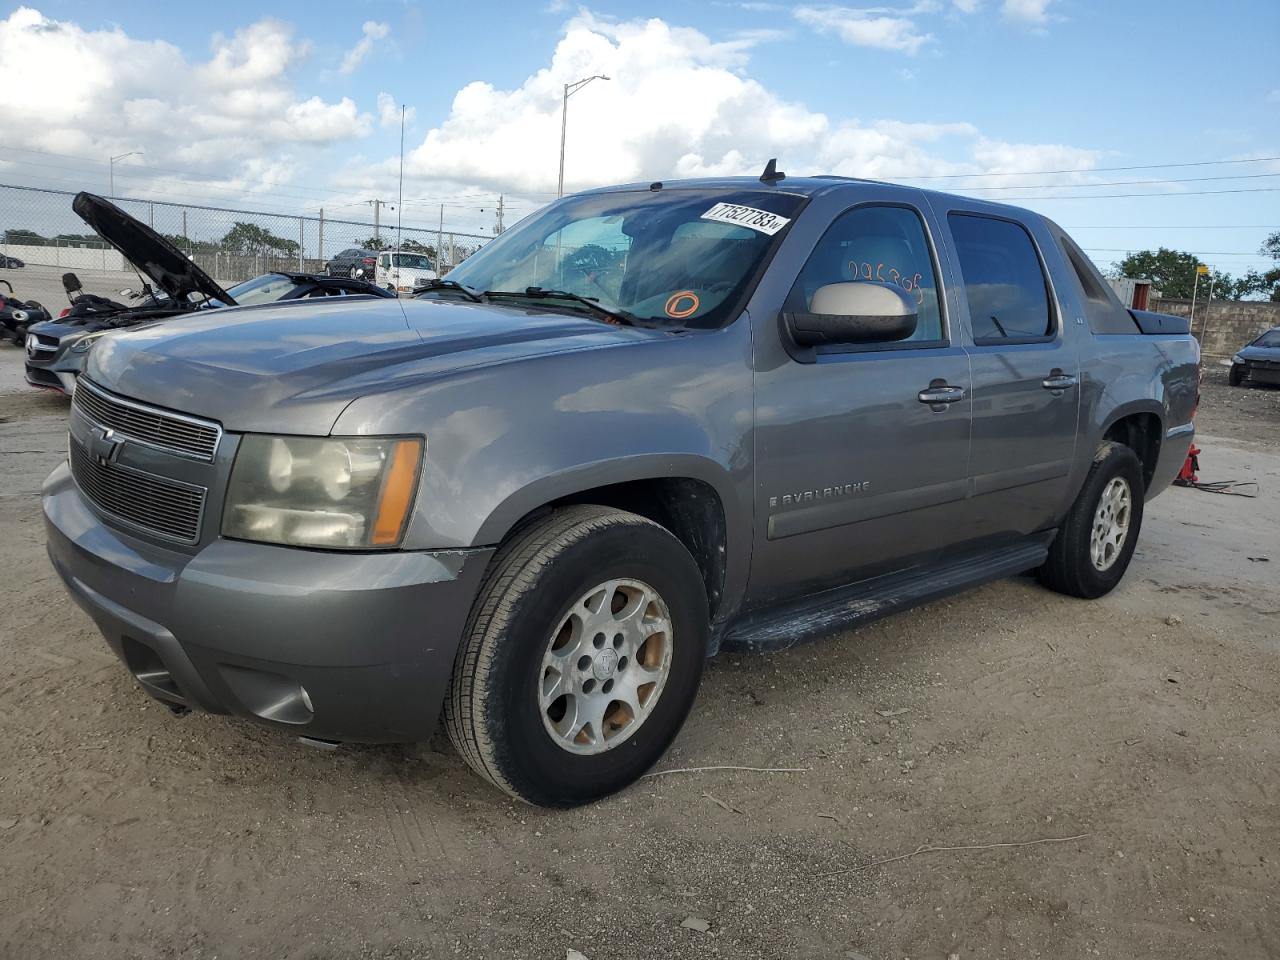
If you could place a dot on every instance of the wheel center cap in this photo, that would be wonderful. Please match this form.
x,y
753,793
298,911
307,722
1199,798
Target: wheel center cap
x,y
605,664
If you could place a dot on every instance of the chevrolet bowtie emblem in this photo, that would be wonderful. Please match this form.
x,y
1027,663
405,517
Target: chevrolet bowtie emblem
x,y
102,445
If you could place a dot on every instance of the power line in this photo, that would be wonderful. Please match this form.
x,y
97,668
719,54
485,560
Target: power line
x,y
1159,196
1120,183
1145,166
1159,226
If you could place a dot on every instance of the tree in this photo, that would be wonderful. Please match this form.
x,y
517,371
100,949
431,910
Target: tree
x,y
23,236
389,243
1269,283
1172,272
251,238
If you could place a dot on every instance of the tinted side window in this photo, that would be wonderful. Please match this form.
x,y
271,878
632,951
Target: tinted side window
x,y
880,244
1003,282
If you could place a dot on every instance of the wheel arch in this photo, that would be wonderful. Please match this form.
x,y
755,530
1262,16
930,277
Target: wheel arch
x,y
1139,426
688,495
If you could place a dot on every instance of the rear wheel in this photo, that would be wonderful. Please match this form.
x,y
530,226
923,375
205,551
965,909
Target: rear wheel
x,y
1095,543
353,274
582,656
1236,376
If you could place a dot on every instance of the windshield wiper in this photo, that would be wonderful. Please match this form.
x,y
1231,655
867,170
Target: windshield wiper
x,y
452,285
591,303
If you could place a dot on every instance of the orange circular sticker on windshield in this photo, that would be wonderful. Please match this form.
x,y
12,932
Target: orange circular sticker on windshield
x,y
683,304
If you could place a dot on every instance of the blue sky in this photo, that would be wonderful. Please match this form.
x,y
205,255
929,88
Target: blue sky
x,y
279,105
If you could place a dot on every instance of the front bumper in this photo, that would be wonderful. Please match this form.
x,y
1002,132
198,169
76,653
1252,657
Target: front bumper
x,y
335,646
1259,371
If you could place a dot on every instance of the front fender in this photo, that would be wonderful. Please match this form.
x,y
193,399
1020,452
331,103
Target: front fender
x,y
580,478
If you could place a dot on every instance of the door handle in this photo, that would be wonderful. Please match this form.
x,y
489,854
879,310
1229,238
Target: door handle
x,y
1059,381
940,393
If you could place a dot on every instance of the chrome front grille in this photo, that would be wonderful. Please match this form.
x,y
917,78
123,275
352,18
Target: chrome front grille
x,y
173,432
162,506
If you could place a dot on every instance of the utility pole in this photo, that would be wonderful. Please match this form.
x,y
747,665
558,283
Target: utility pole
x,y
111,167
377,219
1200,269
184,231
569,90
497,226
320,241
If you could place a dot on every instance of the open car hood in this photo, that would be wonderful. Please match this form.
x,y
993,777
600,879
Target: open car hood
x,y
154,256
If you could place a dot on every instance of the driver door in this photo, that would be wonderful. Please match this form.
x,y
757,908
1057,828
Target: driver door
x,y
858,474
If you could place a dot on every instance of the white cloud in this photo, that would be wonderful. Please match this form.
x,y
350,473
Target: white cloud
x,y
373,32
1033,12
102,92
966,6
389,111
680,105
866,27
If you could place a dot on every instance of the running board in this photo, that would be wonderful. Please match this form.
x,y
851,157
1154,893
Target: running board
x,y
811,617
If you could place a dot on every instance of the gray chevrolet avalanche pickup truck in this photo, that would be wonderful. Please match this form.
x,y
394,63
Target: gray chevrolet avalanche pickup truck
x,y
647,424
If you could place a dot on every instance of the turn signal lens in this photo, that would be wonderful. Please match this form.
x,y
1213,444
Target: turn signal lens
x,y
397,493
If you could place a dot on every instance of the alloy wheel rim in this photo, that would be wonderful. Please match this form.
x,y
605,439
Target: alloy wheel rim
x,y
1110,524
605,666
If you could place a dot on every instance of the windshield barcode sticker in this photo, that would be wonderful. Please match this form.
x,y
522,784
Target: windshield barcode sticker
x,y
761,220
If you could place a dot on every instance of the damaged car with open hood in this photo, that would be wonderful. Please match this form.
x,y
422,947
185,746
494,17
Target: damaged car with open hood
x,y
171,284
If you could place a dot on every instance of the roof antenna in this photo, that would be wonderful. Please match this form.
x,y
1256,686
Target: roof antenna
x,y
771,173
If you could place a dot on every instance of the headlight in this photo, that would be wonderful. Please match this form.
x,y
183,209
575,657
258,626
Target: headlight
x,y
351,494
1237,359
87,341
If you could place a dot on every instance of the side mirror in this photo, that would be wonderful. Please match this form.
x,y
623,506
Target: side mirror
x,y
863,312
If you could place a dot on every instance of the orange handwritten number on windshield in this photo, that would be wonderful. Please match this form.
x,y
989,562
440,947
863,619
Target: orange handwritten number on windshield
x,y
684,303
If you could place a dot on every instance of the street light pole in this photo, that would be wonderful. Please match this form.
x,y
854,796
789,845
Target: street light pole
x,y
111,165
569,90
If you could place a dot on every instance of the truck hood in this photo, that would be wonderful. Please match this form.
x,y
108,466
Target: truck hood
x,y
293,367
163,263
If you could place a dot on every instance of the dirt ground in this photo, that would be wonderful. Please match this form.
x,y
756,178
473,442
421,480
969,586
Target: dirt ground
x,y
1142,726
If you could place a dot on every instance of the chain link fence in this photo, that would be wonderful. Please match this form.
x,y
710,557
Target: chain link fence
x,y
40,228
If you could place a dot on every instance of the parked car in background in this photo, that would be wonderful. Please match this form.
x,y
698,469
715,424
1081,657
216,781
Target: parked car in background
x,y
646,424
1259,361
12,263
401,272
354,262
57,348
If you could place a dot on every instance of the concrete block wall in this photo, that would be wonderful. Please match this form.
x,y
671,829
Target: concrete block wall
x,y
1224,326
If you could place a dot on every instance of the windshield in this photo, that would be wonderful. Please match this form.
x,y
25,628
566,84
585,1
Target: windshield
x,y
664,256
264,289
1269,339
415,261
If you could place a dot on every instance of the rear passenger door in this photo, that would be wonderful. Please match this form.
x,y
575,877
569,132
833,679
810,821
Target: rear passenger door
x,y
1026,392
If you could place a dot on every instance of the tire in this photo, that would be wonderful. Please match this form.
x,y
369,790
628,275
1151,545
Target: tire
x,y
1236,376
1071,567
496,712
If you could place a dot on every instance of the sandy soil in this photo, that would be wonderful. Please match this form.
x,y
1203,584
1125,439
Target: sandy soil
x,y
1143,725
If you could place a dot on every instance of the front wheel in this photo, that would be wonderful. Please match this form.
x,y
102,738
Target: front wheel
x,y
582,656
1236,376
1095,543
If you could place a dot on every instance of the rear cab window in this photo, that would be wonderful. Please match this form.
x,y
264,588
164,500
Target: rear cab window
x,y
1105,312
1004,281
